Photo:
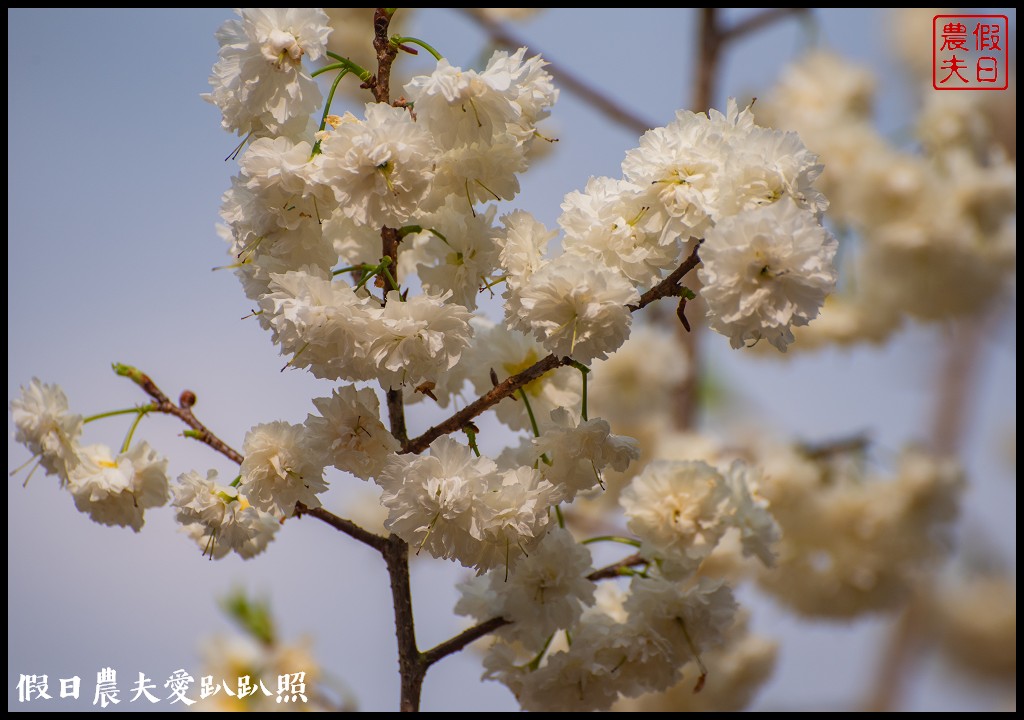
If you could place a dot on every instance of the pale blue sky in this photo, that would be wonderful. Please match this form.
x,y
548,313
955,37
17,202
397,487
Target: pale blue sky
x,y
115,170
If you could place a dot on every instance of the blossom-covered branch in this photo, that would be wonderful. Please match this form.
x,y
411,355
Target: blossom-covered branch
x,y
671,285
506,388
668,287
460,641
365,240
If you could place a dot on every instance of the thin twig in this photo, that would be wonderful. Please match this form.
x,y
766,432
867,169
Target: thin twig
x,y
390,239
498,393
581,89
712,39
709,43
615,569
377,542
759,21
183,411
955,386
464,638
670,286
858,443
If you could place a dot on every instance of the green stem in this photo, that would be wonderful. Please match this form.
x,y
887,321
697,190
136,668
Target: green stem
x,y
387,273
132,373
236,482
342,61
366,278
561,518
328,68
131,431
330,99
350,268
535,663
612,538
126,411
529,411
696,655
416,41
584,371
227,498
327,110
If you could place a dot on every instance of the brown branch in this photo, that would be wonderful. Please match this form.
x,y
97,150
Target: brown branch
x,y
615,569
858,443
712,39
390,239
386,54
670,286
498,393
410,661
955,386
759,21
348,527
396,415
183,411
581,89
709,43
464,638
956,382
411,667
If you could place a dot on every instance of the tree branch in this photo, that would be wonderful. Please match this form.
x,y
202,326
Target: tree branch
x,y
348,527
498,393
615,569
581,89
390,239
709,43
670,286
759,21
464,638
183,411
410,661
381,86
395,550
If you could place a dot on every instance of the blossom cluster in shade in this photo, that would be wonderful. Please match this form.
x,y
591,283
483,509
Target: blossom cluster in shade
x,y
632,641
